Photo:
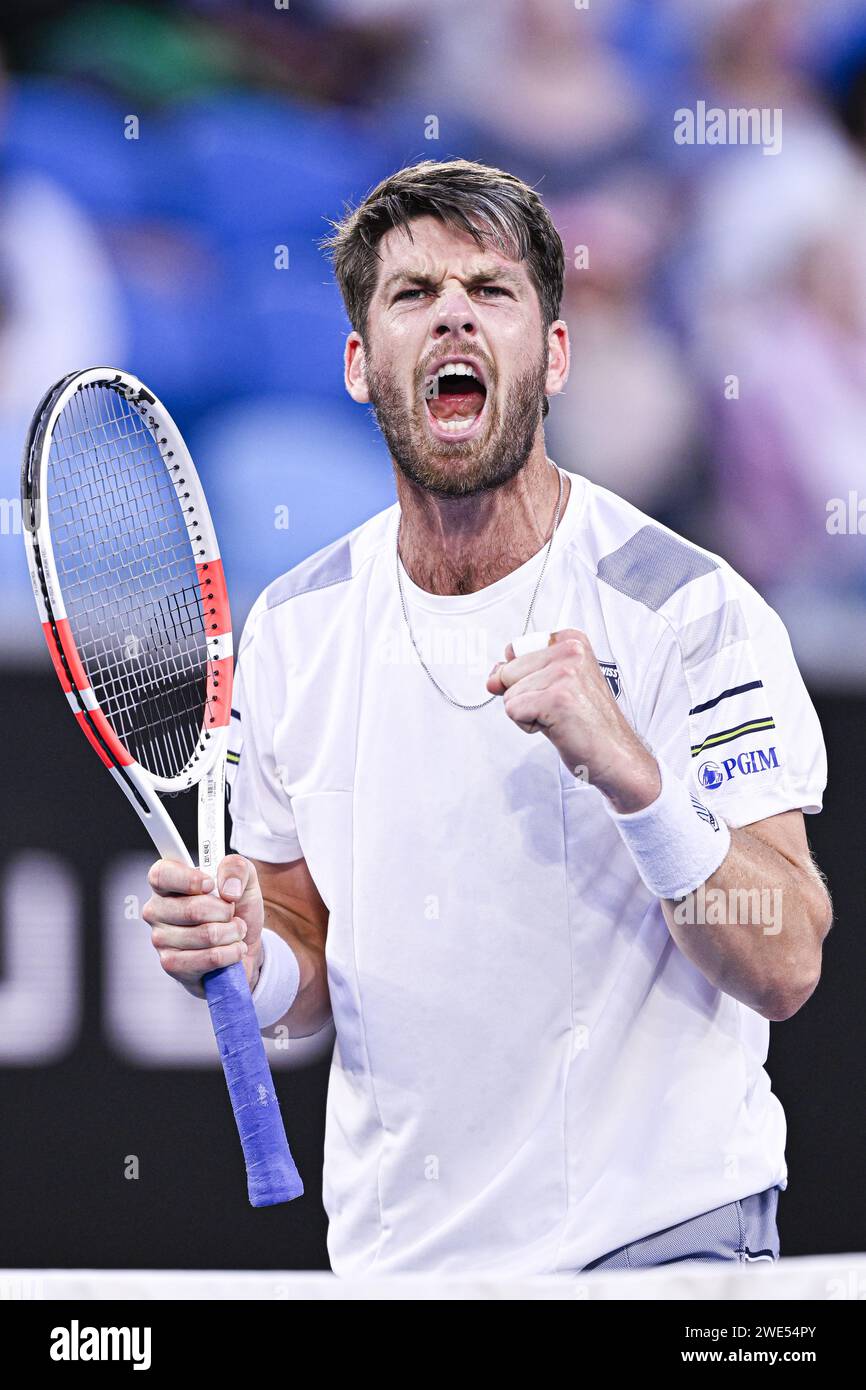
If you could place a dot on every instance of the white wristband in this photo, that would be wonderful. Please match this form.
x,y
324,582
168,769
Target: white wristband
x,y
676,842
278,982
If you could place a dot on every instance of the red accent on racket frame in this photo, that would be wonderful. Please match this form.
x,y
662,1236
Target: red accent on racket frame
x,y
110,738
92,718
56,662
97,747
80,679
214,596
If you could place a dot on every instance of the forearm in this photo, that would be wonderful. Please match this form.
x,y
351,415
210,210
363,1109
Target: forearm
x,y
756,920
311,1007
755,928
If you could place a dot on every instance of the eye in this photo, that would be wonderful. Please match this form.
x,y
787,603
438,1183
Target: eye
x,y
492,289
408,294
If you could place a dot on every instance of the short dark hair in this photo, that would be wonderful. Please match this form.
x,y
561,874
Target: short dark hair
x,y
496,208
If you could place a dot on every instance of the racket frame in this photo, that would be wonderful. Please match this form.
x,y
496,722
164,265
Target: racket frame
x,y
273,1177
206,765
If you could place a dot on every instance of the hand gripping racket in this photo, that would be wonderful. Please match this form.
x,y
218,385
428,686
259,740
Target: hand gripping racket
x,y
131,594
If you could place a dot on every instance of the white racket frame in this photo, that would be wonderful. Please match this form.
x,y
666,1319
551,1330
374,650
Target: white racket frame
x,y
206,766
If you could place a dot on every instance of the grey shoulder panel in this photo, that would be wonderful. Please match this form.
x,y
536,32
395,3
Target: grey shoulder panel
x,y
653,565
333,565
702,638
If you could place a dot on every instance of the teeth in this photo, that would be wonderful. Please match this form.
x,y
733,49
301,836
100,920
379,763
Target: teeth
x,y
458,369
456,426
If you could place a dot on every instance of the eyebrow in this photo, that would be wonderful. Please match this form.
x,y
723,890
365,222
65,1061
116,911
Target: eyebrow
x,y
483,276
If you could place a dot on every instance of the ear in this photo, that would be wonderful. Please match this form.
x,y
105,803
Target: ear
x,y
355,369
558,357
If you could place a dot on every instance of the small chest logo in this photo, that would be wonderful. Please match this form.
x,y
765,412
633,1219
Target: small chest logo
x,y
610,671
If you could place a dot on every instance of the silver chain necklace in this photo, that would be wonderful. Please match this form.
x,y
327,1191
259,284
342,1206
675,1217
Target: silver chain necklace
x,y
458,704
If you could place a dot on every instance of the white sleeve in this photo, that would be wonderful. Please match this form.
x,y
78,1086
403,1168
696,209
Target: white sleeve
x,y
263,826
729,709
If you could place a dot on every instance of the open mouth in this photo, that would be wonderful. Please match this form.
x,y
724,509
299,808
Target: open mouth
x,y
455,399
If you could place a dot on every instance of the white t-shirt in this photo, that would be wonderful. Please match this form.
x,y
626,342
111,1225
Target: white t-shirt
x,y
528,1072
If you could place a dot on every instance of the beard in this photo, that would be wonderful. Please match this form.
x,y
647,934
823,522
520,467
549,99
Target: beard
x,y
468,466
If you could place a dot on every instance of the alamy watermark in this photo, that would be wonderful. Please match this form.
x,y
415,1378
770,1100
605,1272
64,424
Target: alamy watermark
x,y
722,907
846,516
738,125
77,1343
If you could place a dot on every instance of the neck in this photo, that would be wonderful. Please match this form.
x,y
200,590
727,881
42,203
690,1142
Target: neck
x,y
458,545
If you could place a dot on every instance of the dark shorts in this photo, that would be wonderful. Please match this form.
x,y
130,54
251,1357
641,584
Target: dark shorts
x,y
741,1231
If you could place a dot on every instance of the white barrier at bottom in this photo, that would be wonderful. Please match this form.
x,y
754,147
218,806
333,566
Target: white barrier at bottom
x,y
821,1278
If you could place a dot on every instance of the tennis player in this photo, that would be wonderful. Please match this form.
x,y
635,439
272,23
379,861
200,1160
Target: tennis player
x,y
552,906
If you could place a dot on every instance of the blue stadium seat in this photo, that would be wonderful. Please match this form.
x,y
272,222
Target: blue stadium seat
x,y
284,476
75,135
258,165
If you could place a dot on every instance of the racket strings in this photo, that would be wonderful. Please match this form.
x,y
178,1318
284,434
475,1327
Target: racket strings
x,y
124,554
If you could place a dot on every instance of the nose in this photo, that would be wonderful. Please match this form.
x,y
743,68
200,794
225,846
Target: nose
x,y
453,314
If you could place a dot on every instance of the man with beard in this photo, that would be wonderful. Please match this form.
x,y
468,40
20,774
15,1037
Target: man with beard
x,y
549,1049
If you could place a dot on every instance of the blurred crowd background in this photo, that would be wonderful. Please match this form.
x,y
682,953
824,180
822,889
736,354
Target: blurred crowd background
x,y
168,171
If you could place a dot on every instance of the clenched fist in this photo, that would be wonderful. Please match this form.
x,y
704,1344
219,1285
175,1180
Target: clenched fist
x,y
560,691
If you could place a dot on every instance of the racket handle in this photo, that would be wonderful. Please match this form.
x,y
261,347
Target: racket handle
x,y
271,1173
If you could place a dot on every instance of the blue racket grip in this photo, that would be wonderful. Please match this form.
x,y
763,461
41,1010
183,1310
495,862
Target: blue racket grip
x,y
271,1173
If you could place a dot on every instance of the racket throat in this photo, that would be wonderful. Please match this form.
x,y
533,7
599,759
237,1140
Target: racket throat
x,y
211,818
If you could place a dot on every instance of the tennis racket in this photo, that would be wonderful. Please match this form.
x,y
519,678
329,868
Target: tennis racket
x,y
132,598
